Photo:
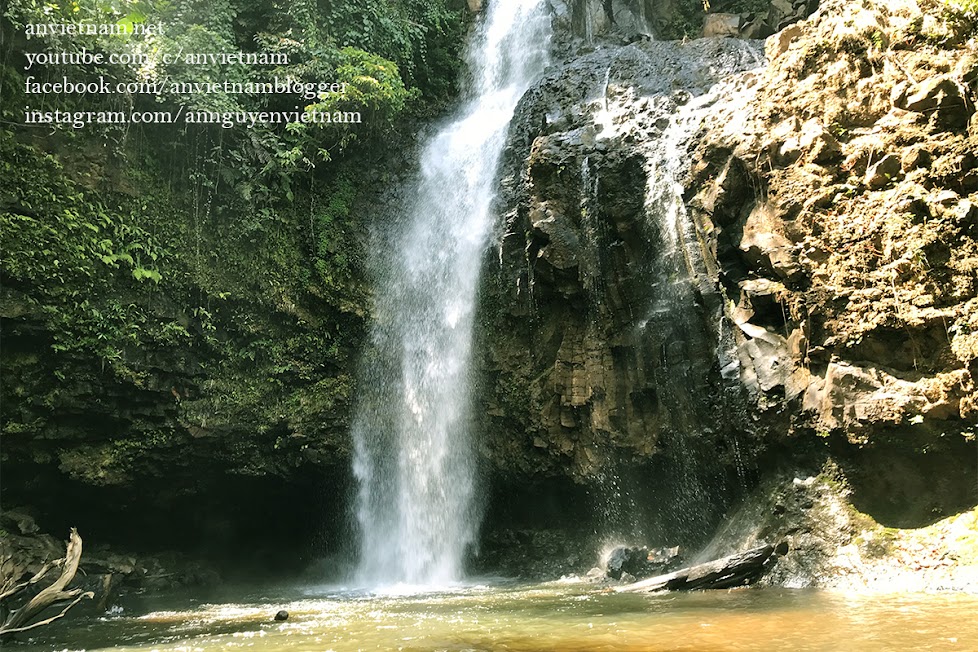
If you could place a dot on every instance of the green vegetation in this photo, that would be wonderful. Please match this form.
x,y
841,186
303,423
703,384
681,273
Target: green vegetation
x,y
185,289
962,19
963,6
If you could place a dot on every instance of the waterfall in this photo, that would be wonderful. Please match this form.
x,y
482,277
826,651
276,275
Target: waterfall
x,y
413,449
665,322
672,321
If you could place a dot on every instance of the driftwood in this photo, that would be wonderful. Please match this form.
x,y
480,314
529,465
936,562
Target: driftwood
x,y
57,594
736,570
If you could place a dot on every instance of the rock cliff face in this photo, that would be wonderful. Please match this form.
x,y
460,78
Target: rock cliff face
x,y
163,414
842,219
709,253
607,21
603,324
715,255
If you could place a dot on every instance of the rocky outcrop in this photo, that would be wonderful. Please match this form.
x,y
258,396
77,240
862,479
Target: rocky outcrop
x,y
832,544
583,23
754,20
803,270
602,328
587,20
189,395
842,219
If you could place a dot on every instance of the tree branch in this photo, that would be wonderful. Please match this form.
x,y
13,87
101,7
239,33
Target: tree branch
x,y
48,621
56,593
34,580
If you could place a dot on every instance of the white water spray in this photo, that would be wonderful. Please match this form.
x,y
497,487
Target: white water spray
x,y
413,456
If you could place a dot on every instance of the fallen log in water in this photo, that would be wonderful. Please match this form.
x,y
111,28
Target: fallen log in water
x,y
736,570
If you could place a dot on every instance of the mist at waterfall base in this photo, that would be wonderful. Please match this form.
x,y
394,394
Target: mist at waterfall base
x,y
417,507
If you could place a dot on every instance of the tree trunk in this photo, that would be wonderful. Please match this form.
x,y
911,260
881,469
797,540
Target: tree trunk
x,y
57,594
736,570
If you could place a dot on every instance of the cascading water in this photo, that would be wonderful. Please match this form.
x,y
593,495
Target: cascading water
x,y
413,451
672,320
668,320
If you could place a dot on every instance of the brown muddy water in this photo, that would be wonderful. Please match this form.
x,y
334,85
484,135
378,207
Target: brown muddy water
x,y
556,616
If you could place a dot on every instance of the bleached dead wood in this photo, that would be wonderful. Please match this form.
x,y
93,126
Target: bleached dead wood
x,y
55,595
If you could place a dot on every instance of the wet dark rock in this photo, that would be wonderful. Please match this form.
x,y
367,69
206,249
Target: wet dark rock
x,y
640,562
618,559
282,615
18,521
662,559
542,554
579,255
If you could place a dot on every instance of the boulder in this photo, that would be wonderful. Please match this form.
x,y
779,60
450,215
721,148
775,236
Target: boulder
x,y
562,245
820,145
719,25
595,575
18,521
941,97
755,29
881,173
764,243
624,560
663,559
617,560
914,158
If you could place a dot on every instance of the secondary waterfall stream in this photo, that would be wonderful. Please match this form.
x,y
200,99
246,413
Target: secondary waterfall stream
x,y
416,506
